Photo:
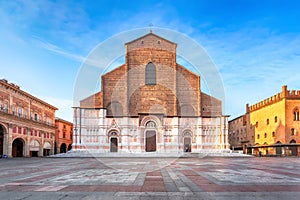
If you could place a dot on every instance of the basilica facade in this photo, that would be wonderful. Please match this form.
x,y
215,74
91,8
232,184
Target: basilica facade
x,y
150,104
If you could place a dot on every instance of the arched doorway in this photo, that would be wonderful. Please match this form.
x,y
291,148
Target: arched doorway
x,y
150,141
34,148
17,147
46,149
69,147
278,149
113,144
294,149
150,136
187,142
63,148
1,140
55,148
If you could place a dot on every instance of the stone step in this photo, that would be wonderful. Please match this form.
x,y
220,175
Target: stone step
x,y
85,153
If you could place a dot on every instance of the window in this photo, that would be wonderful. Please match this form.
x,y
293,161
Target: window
x,y
292,131
5,107
14,129
150,124
20,112
13,110
0,104
19,130
268,121
35,117
25,114
64,135
275,119
258,136
24,131
296,114
150,74
265,135
35,133
273,134
256,124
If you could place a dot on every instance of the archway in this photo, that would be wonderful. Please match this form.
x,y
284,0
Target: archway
x,y
34,148
17,147
1,140
113,144
187,144
278,149
69,147
55,148
294,149
187,141
63,148
46,149
150,141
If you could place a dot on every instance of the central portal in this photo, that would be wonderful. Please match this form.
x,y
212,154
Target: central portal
x,y
150,141
113,145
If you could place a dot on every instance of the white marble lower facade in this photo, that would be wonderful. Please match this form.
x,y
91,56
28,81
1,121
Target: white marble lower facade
x,y
95,132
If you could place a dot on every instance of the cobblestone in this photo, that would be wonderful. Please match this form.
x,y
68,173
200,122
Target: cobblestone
x,y
150,178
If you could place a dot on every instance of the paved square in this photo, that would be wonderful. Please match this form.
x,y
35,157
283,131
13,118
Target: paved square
x,y
150,178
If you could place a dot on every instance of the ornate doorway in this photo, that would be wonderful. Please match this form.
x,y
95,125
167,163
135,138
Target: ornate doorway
x,y
17,148
187,141
113,144
187,144
150,141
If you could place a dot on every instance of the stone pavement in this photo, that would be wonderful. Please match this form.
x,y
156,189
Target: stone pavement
x,y
150,178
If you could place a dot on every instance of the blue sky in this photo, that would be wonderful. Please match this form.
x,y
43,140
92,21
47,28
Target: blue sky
x,y
255,45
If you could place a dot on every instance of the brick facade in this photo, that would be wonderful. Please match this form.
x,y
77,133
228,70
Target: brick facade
x,y
150,87
26,123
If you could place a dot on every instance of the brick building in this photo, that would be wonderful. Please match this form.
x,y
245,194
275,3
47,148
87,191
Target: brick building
x,y
150,104
241,133
63,135
26,123
273,124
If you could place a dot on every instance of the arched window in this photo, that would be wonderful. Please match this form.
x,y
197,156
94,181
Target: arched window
x,y
151,124
275,119
292,131
273,134
296,114
268,121
265,135
150,74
